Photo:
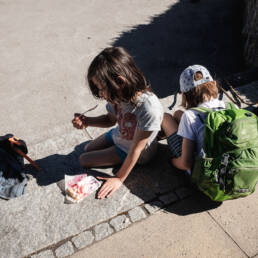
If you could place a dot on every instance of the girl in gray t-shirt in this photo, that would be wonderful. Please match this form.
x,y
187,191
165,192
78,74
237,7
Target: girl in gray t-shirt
x,y
114,76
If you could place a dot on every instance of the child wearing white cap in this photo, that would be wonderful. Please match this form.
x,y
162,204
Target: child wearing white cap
x,y
184,130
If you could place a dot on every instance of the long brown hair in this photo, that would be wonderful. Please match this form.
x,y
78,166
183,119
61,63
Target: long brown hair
x,y
199,94
115,69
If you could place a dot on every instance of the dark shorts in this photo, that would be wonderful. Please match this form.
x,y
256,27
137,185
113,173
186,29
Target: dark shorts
x,y
122,155
175,145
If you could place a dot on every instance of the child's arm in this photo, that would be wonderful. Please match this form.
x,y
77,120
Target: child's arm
x,y
113,183
104,121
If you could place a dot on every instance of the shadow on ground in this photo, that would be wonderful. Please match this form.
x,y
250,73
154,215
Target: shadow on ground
x,y
157,182
54,167
189,32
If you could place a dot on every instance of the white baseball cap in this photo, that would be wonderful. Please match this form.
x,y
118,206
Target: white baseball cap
x,y
187,81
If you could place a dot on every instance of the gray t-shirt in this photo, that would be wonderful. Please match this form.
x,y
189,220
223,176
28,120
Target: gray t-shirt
x,y
146,114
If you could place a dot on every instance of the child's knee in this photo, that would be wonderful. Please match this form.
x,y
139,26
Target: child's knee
x,y
167,118
177,115
169,124
87,147
83,160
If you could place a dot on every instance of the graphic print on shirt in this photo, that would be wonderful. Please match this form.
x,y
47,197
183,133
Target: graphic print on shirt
x,y
127,123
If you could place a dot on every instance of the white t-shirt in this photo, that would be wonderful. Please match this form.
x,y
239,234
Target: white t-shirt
x,y
146,114
191,126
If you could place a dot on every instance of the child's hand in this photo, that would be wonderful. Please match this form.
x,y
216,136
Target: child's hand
x,y
109,187
79,121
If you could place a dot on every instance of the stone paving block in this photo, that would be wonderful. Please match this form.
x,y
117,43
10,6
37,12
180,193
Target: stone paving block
x,y
82,240
137,214
64,250
103,230
168,198
164,189
120,222
184,192
153,206
44,254
167,182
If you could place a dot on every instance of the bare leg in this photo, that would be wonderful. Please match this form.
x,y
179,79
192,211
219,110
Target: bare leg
x,y
177,115
97,144
100,158
169,124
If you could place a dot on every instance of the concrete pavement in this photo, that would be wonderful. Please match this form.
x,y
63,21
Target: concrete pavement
x,y
227,231
46,47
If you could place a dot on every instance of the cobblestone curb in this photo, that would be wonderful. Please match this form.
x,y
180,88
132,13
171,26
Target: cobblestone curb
x,y
105,229
153,207
44,254
120,222
64,250
137,214
168,198
102,231
82,240
184,192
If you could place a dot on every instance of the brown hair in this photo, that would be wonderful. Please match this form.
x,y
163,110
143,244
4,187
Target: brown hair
x,y
201,93
115,69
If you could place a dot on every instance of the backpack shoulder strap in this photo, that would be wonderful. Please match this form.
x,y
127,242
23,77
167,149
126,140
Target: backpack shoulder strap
x,y
231,105
202,110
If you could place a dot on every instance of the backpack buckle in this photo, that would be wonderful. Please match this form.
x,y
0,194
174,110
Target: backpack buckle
x,y
225,158
223,171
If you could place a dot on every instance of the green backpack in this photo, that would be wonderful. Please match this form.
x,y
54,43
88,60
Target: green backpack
x,y
229,168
